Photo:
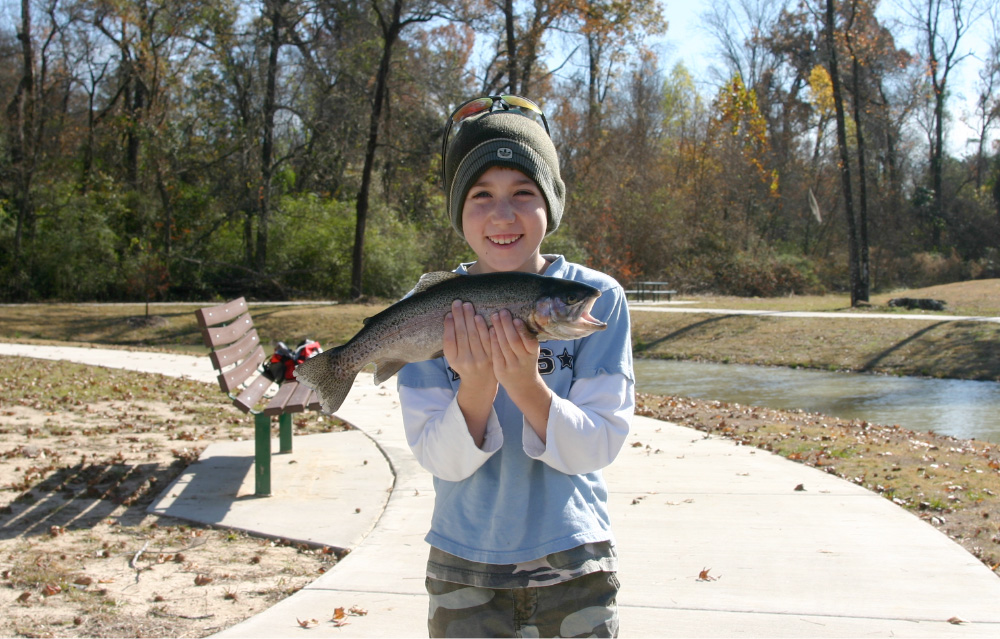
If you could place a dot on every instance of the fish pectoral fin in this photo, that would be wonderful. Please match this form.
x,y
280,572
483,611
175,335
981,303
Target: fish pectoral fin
x,y
386,368
427,280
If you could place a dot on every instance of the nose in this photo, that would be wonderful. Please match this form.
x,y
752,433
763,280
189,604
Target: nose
x,y
503,212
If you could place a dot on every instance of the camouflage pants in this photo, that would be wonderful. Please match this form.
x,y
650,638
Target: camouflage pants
x,y
581,607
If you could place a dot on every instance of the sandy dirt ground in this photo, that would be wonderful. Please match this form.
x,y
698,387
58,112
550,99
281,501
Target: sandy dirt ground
x,y
79,556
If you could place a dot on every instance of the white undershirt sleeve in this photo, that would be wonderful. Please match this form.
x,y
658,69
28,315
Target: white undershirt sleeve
x,y
587,430
439,437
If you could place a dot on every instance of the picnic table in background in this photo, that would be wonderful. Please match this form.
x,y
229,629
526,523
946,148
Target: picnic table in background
x,y
650,291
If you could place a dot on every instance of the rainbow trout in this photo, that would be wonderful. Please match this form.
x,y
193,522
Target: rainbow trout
x,y
412,330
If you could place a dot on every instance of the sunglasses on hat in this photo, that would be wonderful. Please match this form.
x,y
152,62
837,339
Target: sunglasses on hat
x,y
477,106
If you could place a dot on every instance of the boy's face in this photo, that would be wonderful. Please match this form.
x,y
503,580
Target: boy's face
x,y
504,220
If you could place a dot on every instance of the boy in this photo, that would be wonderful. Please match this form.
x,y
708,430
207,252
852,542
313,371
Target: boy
x,y
516,432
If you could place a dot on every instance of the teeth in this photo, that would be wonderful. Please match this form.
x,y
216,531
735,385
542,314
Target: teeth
x,y
505,240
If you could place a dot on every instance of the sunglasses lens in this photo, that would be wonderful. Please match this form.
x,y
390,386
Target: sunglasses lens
x,y
472,108
521,103
481,105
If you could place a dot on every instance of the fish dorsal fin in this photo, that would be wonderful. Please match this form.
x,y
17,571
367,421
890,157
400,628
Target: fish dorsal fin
x,y
428,280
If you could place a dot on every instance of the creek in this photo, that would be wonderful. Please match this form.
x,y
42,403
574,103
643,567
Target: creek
x,y
961,408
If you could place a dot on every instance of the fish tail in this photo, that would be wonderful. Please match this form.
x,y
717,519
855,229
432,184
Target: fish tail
x,y
330,376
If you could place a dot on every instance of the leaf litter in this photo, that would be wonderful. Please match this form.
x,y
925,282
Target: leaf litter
x,y
83,452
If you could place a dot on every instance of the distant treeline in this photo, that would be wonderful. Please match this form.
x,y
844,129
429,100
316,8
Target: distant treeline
x,y
199,149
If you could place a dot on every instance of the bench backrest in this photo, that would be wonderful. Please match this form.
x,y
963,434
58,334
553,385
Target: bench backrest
x,y
228,330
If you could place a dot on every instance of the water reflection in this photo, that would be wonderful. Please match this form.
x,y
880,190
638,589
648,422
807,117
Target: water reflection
x,y
961,408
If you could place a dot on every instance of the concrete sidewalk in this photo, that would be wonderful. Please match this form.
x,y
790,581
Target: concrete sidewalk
x,y
832,560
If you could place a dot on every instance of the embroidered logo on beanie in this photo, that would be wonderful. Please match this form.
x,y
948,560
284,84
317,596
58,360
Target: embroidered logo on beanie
x,y
504,153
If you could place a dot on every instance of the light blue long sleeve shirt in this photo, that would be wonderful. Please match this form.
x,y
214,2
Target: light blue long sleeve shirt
x,y
517,498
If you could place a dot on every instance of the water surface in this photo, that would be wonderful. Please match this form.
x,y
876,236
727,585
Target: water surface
x,y
961,408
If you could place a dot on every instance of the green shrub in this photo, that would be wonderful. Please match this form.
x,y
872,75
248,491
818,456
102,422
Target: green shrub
x,y
765,275
75,250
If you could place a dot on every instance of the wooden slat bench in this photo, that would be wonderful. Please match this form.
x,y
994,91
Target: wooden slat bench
x,y
237,354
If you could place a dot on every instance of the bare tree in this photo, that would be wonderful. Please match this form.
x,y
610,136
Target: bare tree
x,y
392,20
858,291
943,25
988,98
738,27
20,136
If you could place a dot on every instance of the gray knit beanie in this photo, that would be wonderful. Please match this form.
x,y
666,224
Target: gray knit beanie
x,y
508,139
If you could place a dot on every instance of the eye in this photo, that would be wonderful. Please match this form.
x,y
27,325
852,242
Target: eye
x,y
572,299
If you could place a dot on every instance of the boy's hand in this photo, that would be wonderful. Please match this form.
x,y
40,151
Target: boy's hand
x,y
467,345
515,351
515,365
467,348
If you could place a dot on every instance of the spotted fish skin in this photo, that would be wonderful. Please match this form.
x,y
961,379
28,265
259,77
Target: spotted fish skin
x,y
412,330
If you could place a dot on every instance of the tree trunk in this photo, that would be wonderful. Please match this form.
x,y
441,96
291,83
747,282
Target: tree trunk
x,y
863,284
845,166
594,50
937,164
508,12
390,32
20,138
267,142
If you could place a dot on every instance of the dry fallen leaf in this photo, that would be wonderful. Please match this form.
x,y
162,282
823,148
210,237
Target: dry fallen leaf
x,y
358,611
24,597
51,589
339,618
308,623
957,621
800,487
703,575
202,580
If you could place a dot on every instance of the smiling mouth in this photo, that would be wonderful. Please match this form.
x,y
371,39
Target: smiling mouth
x,y
504,240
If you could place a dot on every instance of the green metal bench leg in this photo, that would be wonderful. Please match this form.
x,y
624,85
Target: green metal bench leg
x,y
285,433
262,455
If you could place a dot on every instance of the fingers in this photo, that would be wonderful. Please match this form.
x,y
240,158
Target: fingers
x,y
510,339
470,328
466,338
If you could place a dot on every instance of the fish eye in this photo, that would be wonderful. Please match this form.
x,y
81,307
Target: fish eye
x,y
572,298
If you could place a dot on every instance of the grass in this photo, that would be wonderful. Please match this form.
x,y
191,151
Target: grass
x,y
978,298
947,349
959,350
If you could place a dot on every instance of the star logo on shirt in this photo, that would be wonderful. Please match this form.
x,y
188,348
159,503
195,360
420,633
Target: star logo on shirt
x,y
565,360
454,375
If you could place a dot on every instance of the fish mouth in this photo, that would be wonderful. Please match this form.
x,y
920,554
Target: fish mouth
x,y
580,313
554,319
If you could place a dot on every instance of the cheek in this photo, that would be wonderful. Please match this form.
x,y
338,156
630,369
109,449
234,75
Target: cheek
x,y
539,219
470,221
